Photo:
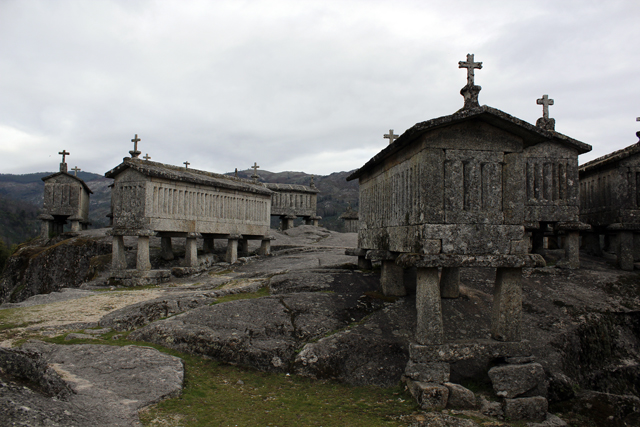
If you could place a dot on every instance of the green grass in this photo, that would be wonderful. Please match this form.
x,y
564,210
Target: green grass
x,y
213,396
262,292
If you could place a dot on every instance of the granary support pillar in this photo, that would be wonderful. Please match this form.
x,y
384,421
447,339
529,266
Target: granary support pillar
x,y
166,248
287,221
46,226
429,329
75,223
624,250
191,250
507,305
243,248
232,248
391,279
450,282
142,260
265,246
118,259
572,248
315,220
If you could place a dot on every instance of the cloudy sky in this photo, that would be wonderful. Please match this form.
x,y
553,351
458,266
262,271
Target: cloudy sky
x,y
298,85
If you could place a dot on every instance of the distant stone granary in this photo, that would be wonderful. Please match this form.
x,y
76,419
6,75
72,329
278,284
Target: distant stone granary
x,y
552,193
610,203
291,201
66,198
150,198
350,218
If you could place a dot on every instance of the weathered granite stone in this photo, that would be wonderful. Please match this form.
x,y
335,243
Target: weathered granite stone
x,y
490,408
77,336
526,408
429,330
460,397
436,419
391,279
550,421
428,372
429,395
514,380
452,352
293,200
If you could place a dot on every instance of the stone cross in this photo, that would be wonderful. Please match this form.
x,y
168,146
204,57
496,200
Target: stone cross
x,y
470,65
64,154
255,168
545,102
186,164
135,152
390,136
146,157
76,170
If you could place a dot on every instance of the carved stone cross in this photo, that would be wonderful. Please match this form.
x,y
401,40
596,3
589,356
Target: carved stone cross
x,y
255,168
76,170
64,154
147,157
186,164
470,65
135,152
545,102
390,136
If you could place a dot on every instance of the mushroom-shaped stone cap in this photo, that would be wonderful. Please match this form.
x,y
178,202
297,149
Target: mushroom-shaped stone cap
x,y
45,217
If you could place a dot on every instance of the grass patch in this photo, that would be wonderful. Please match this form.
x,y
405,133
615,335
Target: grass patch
x,y
262,292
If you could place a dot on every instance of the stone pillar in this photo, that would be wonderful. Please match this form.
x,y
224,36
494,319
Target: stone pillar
x,y
75,223
591,243
142,260
191,250
287,221
507,305
243,248
46,227
450,282
308,220
572,248
166,248
625,250
265,247
364,263
391,279
316,222
118,259
232,249
208,245
429,329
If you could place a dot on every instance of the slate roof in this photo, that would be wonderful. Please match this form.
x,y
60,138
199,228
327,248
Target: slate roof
x,y
608,159
530,133
180,174
291,187
45,178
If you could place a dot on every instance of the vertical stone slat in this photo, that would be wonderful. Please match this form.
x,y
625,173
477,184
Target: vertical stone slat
x,y
429,328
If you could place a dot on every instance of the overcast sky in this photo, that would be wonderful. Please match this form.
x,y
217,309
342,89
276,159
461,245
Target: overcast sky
x,y
298,85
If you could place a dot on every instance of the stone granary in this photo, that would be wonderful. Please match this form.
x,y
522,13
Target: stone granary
x,y
291,201
610,203
451,192
350,218
552,194
150,198
66,198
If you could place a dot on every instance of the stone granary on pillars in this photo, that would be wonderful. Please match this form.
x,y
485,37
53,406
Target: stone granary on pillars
x,y
552,193
449,193
291,201
610,202
156,199
350,218
66,198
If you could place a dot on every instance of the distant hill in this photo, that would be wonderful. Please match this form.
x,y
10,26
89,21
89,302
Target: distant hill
x,y
21,198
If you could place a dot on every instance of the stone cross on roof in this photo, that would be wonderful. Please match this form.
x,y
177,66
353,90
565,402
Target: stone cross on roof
x,y
147,157
545,102
236,172
63,165
638,133
186,164
255,168
390,136
76,170
470,66
135,152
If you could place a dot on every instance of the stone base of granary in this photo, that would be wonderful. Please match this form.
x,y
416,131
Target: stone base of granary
x,y
132,278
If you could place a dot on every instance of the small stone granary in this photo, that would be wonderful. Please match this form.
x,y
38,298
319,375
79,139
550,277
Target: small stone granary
x,y
291,201
552,194
350,218
150,198
610,203
66,198
451,192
